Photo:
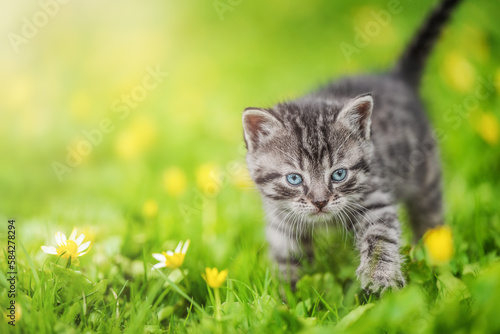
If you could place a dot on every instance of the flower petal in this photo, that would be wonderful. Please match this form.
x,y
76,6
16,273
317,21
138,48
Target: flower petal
x,y
178,248
83,247
222,276
160,265
160,257
49,250
83,253
186,245
170,253
73,234
58,239
63,238
79,240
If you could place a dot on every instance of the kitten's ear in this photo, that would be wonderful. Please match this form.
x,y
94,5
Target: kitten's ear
x,y
258,126
357,114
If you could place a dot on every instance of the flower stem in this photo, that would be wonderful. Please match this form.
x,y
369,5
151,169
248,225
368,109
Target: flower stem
x,y
68,264
217,304
185,279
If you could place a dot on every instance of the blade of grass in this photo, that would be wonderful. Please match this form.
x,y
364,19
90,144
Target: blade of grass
x,y
3,280
144,264
328,307
183,294
32,265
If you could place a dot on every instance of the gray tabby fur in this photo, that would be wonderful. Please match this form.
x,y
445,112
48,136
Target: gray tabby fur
x,y
373,126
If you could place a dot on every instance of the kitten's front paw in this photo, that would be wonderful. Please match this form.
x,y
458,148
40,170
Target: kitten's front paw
x,y
381,277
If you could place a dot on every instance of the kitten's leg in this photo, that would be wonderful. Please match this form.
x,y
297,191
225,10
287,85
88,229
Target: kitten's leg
x,y
425,206
287,246
378,243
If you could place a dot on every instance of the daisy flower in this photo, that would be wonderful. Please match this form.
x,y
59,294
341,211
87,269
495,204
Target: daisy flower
x,y
171,259
71,247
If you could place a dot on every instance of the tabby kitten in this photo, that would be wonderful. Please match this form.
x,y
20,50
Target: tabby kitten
x,y
349,153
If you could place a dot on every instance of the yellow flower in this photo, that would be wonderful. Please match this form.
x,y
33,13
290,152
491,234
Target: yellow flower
x,y
241,178
171,259
203,174
150,208
488,128
458,72
136,138
205,178
126,146
439,244
174,181
15,313
71,247
214,278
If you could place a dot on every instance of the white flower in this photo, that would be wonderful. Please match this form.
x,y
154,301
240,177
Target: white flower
x,y
172,259
68,247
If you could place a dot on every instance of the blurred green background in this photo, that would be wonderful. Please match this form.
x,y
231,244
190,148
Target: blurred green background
x,y
172,167
67,77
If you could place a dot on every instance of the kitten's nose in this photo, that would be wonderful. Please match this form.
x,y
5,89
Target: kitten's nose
x,y
320,204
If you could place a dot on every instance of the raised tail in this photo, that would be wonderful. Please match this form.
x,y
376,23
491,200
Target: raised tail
x,y
411,64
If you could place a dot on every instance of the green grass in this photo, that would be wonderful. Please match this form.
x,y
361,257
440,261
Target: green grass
x,y
66,79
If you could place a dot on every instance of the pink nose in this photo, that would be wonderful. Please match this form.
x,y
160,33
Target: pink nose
x,y
320,204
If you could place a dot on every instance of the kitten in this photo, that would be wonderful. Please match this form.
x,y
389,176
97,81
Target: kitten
x,y
347,154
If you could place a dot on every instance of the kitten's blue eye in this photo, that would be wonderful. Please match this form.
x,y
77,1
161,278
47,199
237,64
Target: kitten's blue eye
x,y
339,175
294,179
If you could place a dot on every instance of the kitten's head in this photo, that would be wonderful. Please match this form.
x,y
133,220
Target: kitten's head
x,y
310,158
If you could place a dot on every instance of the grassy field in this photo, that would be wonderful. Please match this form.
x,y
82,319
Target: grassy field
x,y
123,120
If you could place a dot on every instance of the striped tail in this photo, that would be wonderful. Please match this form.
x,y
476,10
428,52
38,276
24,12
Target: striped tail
x,y
411,64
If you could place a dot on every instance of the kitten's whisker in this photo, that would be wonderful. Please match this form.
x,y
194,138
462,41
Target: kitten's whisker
x,y
360,214
364,213
274,211
293,232
344,225
344,228
272,222
338,219
275,217
349,216
286,227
